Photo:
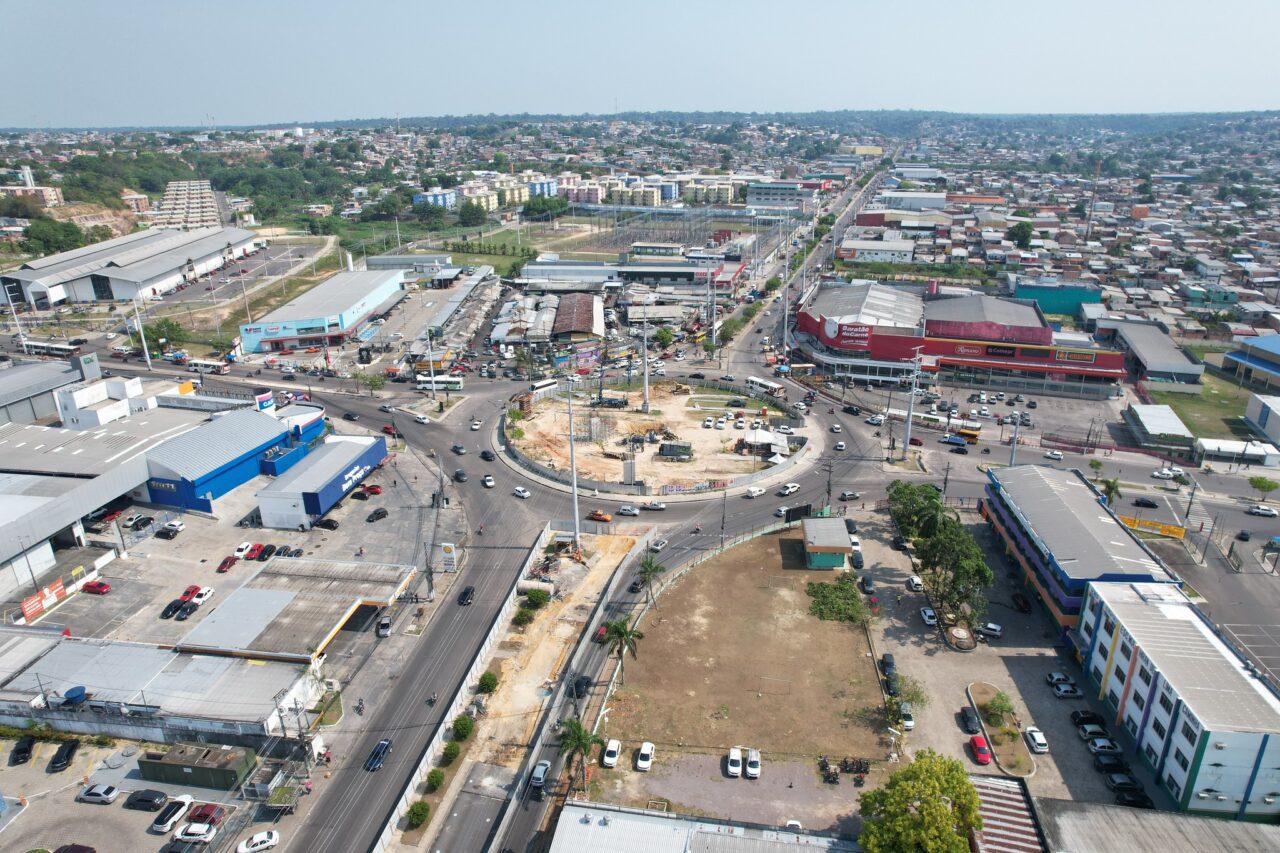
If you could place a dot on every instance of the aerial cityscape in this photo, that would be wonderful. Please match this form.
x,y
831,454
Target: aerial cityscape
x,y
538,463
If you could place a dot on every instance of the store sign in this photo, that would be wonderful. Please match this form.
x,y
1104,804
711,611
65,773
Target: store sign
x,y
1037,352
966,349
161,486
845,335
1075,356
1001,351
448,557
354,475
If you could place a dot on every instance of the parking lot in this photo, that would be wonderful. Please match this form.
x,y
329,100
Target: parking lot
x,y
1016,663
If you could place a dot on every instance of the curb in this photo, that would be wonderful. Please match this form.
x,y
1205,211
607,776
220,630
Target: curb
x,y
982,723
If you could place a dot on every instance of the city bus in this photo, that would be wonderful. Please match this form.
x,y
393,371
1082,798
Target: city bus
x,y
202,365
49,348
773,389
543,384
440,383
969,434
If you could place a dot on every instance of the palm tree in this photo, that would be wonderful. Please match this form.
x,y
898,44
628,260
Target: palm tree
x,y
622,638
576,738
650,570
525,360
1096,465
1110,489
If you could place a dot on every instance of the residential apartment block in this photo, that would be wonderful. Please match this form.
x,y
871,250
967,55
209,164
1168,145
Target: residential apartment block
x,y
1199,715
448,199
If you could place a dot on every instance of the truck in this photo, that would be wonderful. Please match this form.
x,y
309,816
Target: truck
x,y
953,439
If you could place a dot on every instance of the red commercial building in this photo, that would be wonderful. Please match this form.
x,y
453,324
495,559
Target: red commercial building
x,y
870,332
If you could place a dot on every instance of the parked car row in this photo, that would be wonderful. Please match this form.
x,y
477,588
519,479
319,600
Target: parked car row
x,y
644,755
256,551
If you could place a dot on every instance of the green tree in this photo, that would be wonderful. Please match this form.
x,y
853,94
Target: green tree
x,y
1021,234
471,214
663,337
913,506
463,727
536,598
622,637
996,709
650,571
419,812
912,690
1262,486
578,740
773,284
47,237
928,806
1110,490
1096,466
450,753
165,330
488,682
434,780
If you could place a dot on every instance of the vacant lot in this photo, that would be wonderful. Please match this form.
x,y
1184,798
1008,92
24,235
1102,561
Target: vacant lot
x,y
732,656
672,408
1216,412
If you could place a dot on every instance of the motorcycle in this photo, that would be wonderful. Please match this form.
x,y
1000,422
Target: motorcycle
x,y
986,450
831,411
432,701
877,433
360,708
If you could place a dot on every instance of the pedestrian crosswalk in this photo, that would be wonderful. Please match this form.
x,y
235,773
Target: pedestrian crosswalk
x,y
1199,518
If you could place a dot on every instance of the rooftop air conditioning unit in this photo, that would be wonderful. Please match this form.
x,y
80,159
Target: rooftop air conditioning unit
x,y
1221,798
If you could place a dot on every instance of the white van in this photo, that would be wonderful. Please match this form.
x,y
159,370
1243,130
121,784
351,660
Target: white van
x,y
754,492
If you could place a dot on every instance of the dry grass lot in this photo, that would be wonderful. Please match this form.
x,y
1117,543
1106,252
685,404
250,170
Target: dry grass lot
x,y
732,656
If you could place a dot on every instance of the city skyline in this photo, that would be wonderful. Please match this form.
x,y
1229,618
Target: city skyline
x,y
296,62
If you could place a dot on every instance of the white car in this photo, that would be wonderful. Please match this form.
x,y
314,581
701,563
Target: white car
x,y
175,525
875,420
708,422
1163,474
205,593
386,407
1058,678
488,481
991,629
1263,510
754,492
1176,471
417,419
752,770
734,765
840,445
475,426
628,509
739,424
611,752
784,430
196,833
644,759
658,545
781,512
836,428
915,584
930,618
242,549
799,406
855,542
720,423
1055,455
521,492
788,489
104,794
261,841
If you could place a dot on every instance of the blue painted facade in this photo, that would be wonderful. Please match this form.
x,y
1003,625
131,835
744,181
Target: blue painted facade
x,y
320,501
331,330
448,199
543,187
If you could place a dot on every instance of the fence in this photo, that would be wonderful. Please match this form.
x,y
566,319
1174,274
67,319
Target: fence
x,y
456,703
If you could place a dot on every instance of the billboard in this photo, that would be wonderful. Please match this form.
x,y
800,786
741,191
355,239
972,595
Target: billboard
x,y
844,335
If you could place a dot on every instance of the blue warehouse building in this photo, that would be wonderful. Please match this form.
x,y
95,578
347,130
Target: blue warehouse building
x,y
338,311
296,500
194,469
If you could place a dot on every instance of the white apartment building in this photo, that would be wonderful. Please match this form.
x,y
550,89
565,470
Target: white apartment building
x,y
1200,718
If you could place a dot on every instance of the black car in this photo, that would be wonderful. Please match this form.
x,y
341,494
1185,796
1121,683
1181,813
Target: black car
x,y
697,376
378,757
78,342
1145,502
1244,536
467,595
636,585
327,524
1085,718
171,608
459,449
1134,800
350,416
736,404
891,685
1110,764
1119,782
143,522
960,451
969,720
1031,404
460,476
581,686
850,526
865,584
487,455
900,542
852,410
22,750
65,755
360,496
283,551
856,560
267,553
166,533
887,664
185,611
147,800
377,515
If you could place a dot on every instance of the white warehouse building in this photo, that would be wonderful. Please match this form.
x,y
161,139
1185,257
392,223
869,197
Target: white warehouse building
x,y
1199,716
146,263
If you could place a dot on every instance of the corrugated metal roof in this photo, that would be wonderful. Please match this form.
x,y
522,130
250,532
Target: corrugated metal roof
x,y
207,448
139,257
333,296
23,381
322,464
982,309
1008,824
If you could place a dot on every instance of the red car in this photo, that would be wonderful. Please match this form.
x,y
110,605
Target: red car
x,y
207,813
389,429
96,588
916,442
111,516
1021,602
373,489
189,593
226,564
981,752
252,553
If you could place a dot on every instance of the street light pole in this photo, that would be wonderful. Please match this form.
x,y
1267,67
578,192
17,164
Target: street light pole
x,y
644,358
573,472
1013,445
911,401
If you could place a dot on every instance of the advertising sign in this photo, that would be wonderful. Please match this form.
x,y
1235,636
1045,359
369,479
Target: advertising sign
x,y
1001,351
1076,356
448,557
845,335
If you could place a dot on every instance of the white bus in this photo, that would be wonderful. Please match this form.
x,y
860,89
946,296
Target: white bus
x,y
773,389
440,383
543,384
50,348
200,365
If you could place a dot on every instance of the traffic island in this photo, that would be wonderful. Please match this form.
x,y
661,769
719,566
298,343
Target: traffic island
x,y
1002,729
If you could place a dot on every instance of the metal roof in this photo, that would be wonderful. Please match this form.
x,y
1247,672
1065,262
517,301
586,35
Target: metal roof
x,y
867,302
210,446
825,534
333,296
322,464
1084,827
1008,823
1160,420
1060,510
1210,680
133,257
982,309
32,449
29,379
1155,349
577,313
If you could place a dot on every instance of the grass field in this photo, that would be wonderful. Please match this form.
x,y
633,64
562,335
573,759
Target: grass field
x,y
1216,412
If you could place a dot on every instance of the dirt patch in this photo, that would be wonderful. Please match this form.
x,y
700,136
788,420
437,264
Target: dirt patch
x,y
1003,732
750,667
674,416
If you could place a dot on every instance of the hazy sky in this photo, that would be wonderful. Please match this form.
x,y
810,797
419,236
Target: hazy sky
x,y
177,62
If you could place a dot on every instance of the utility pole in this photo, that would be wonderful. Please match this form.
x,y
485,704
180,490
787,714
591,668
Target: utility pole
x,y
828,466
1190,502
573,470
724,513
1013,445
911,401
946,476
146,352
644,357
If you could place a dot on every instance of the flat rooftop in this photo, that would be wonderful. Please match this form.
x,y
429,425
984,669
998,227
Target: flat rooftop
x,y
31,378
322,464
32,449
295,606
1083,827
333,296
1155,349
1209,678
824,534
1062,511
867,302
1160,420
983,309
